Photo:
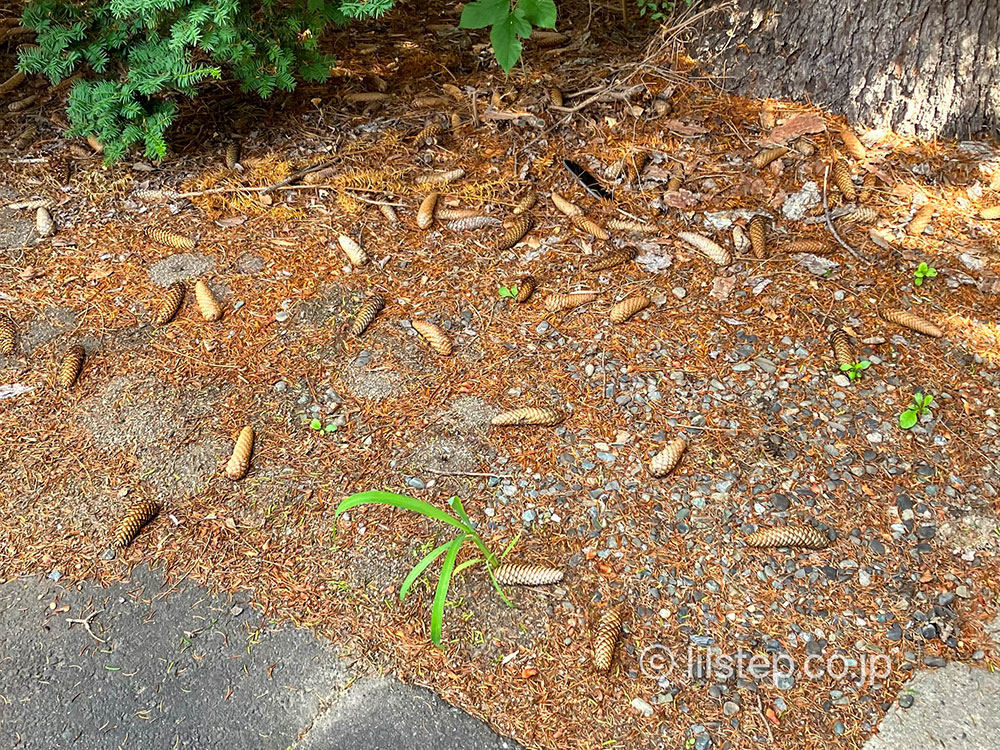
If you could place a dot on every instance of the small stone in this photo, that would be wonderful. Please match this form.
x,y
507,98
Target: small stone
x,y
55,575
415,482
703,742
895,633
730,709
906,700
642,707
679,292
529,516
281,316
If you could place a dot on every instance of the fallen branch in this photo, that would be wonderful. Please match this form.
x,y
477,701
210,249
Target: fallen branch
x,y
85,621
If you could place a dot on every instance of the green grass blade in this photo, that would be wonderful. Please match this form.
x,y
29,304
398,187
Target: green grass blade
x,y
419,568
510,546
404,502
496,585
468,564
441,595
456,505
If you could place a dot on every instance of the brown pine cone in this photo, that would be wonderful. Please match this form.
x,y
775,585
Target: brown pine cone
x,y
555,96
711,250
628,307
8,334
862,215
664,462
366,313
525,286
430,134
989,213
515,233
766,156
171,303
841,175
675,183
425,214
868,186
353,250
627,225
815,247
515,574
450,214
138,515
389,213
634,165
529,415
589,226
788,536
612,259
606,638
170,239
841,348
435,336
71,366
566,207
210,309
239,462
44,224
525,202
912,321
758,236
472,222
921,219
232,155
557,302
440,178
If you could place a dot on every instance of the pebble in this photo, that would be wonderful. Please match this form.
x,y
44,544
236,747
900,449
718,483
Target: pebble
x,y
529,516
281,316
679,292
730,709
642,707
415,482
906,700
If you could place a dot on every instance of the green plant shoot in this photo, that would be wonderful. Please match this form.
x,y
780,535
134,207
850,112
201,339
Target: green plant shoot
x,y
923,271
855,369
921,405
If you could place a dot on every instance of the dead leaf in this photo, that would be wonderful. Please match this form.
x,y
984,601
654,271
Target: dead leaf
x,y
794,127
30,273
231,221
452,90
682,199
684,129
722,287
96,274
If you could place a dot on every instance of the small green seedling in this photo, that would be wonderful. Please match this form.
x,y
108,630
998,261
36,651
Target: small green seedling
x,y
921,405
855,369
923,271
315,424
507,291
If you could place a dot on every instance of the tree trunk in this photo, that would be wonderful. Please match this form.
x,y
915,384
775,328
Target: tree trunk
x,y
924,67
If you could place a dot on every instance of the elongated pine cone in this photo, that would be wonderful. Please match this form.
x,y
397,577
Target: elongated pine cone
x,y
612,259
232,155
675,183
170,239
627,225
209,306
8,334
862,215
606,638
388,212
26,138
472,222
425,214
525,286
429,134
435,336
816,247
156,196
239,462
513,574
556,96
766,156
557,301
354,252
566,207
989,213
450,214
758,236
841,175
841,348
525,202
366,313
43,222
515,232
711,250
529,415
788,536
664,462
589,226
171,303
921,219
634,165
366,97
627,308
868,186
72,364
138,515
440,178
912,321
853,145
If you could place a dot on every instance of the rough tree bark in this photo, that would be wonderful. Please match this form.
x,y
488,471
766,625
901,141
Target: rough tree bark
x,y
924,67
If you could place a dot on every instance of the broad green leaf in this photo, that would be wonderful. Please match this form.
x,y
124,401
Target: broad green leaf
x,y
316,424
483,13
846,367
504,37
931,273
401,501
540,13
441,595
419,568
864,364
907,419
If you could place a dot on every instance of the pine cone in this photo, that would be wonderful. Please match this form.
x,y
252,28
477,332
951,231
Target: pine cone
x,y
155,196
614,170
239,462
525,202
627,308
232,155
430,134
138,515
525,286
714,252
841,174
8,334
862,215
472,222
868,187
425,214
440,178
514,574
564,206
804,146
210,309
627,225
788,536
529,415
765,157
43,222
171,303
555,96
841,348
354,252
169,239
26,138
758,236
71,366
366,97
635,164
989,213
589,226
854,146
435,336
557,302
389,212
606,638
446,214
612,259
366,313
815,247
920,220
515,233
675,183
664,462
912,321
